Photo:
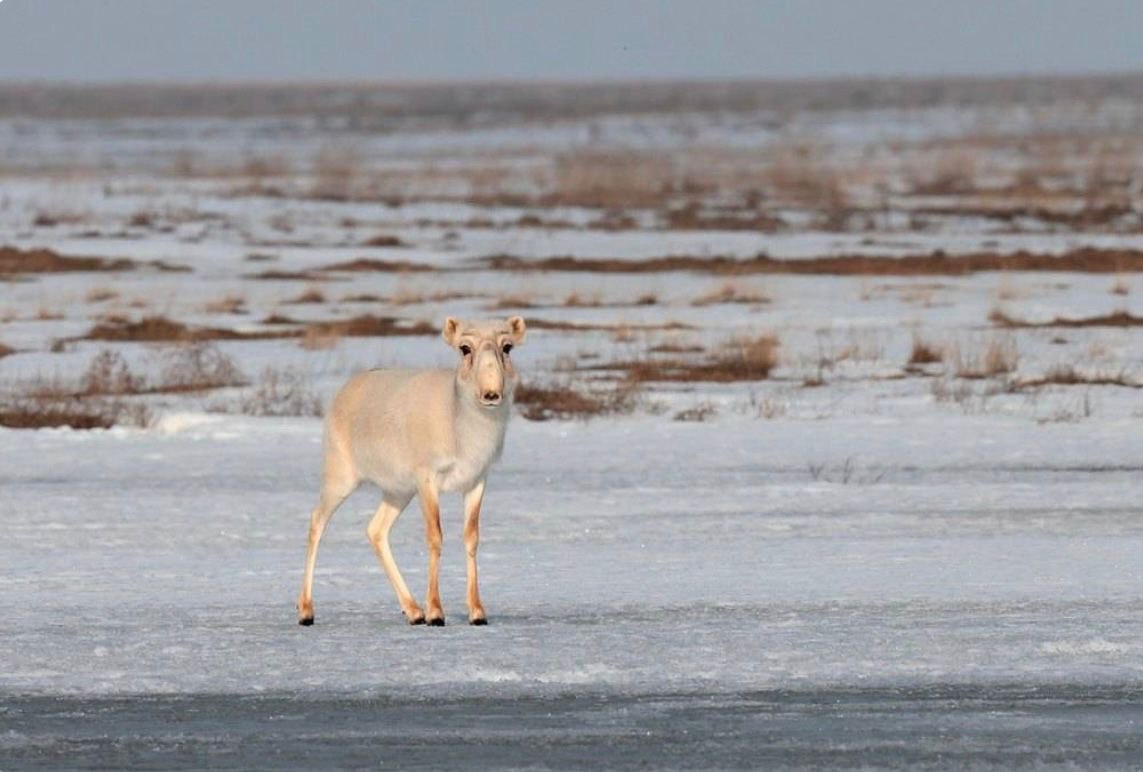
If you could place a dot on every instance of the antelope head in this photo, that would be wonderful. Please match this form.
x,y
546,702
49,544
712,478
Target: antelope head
x,y
485,373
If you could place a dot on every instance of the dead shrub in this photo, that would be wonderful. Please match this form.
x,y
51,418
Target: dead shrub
x,y
108,373
999,356
925,353
6,350
198,366
699,413
283,392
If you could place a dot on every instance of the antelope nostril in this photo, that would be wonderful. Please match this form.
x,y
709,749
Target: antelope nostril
x,y
491,396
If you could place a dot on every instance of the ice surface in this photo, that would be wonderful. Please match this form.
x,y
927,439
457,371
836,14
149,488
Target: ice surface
x,y
628,556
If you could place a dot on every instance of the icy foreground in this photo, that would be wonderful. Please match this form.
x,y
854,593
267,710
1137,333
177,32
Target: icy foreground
x,y
620,560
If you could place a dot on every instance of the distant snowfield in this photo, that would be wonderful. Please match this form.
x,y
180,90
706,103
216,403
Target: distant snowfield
x,y
628,555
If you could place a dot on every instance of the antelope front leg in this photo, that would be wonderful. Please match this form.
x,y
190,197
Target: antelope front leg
x,y
472,501
378,532
430,507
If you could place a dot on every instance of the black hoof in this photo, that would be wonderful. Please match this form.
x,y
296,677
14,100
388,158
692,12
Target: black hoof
x,y
438,622
417,621
478,622
306,621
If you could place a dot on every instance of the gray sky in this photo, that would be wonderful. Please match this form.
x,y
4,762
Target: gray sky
x,y
219,40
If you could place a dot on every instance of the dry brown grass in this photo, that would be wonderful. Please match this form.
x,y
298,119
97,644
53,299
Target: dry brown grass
x,y
155,329
543,403
383,240
27,412
740,359
17,261
701,412
675,347
227,304
1068,375
1114,319
369,264
729,292
6,350
279,319
363,297
937,263
100,294
308,295
999,355
615,180
925,352
287,276
575,299
513,302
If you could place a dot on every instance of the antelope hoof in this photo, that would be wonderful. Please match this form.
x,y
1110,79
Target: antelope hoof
x,y
305,614
436,622
478,621
416,619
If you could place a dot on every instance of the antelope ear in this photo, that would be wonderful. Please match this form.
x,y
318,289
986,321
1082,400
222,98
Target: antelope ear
x,y
450,331
517,329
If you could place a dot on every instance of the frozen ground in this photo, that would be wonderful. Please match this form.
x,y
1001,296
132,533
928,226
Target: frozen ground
x,y
677,594
859,560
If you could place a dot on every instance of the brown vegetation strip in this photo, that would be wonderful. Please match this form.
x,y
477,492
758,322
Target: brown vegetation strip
x,y
6,350
38,416
1114,319
549,324
15,261
1086,260
543,403
1067,375
157,329
380,266
739,360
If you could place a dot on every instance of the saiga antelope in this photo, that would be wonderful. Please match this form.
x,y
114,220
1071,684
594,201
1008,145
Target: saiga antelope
x,y
419,432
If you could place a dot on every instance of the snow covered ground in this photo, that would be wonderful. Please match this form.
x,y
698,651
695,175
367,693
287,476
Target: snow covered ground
x,y
858,560
637,573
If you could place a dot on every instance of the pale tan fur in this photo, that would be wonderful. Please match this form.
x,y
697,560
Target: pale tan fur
x,y
420,432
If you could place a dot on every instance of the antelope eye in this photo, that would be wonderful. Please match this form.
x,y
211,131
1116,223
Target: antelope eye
x,y
507,347
465,349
